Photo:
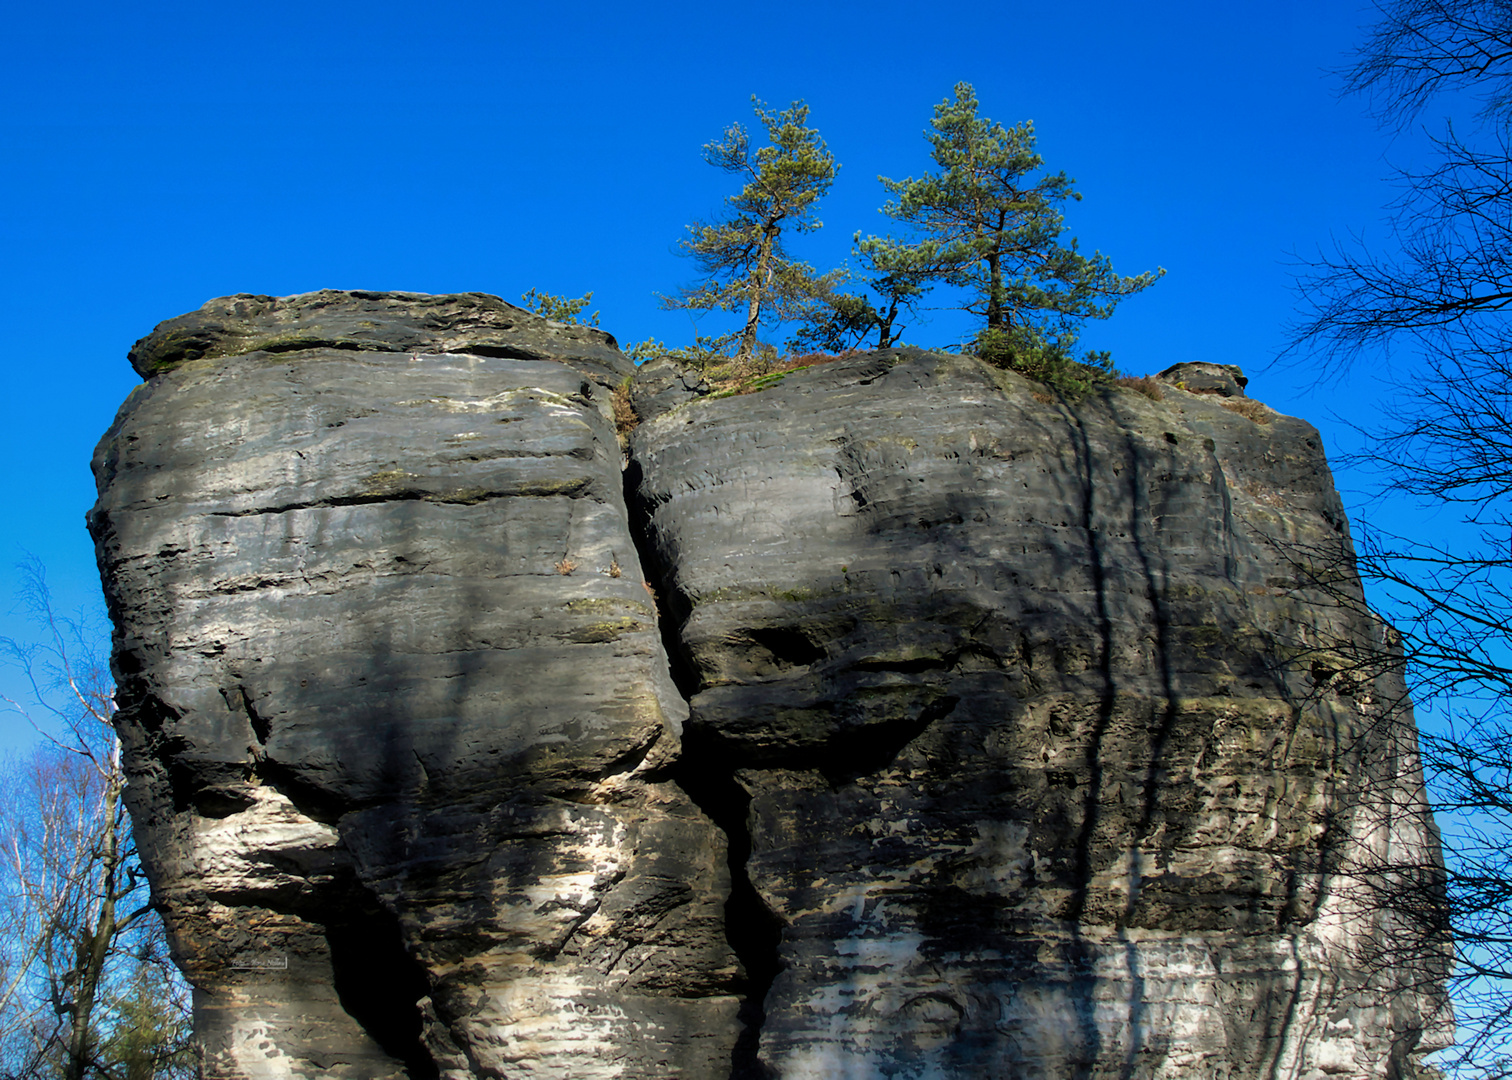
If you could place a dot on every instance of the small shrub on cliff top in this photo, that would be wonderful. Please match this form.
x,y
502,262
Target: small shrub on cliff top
x,y
1142,384
559,308
1032,353
1249,409
707,350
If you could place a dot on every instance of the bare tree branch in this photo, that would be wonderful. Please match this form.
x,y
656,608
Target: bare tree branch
x,y
87,992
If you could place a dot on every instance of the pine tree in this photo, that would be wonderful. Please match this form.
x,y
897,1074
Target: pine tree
x,y
743,255
898,274
991,224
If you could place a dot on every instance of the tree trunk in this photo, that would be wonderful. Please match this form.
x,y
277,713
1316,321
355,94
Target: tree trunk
x,y
96,948
997,317
885,322
761,284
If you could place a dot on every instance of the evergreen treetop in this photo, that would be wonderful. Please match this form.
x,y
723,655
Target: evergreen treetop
x,y
990,223
743,254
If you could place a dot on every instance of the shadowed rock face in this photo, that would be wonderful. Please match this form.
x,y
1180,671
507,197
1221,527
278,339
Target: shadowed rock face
x,y
977,734
1027,703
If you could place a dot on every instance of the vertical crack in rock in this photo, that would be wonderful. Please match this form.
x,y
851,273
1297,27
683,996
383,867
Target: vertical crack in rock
x,y
379,984
706,773
671,606
261,729
753,930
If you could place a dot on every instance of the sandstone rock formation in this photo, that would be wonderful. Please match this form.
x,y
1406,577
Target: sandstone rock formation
x,y
897,720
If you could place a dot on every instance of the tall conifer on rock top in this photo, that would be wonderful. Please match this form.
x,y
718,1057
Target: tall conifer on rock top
x,y
991,224
743,254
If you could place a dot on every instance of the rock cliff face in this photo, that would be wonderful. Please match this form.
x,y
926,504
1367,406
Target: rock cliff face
x,y
897,720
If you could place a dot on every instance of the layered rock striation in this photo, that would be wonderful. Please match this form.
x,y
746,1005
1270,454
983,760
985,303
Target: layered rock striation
x,y
897,720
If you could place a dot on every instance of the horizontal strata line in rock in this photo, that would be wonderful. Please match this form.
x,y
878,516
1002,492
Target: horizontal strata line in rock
x,y
332,581
487,352
459,498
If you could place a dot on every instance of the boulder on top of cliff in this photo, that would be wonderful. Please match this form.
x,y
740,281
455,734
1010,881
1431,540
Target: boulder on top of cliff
x,y
1202,377
395,322
663,384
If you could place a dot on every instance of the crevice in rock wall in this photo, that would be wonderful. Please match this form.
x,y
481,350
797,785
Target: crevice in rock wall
x,y
378,982
671,606
706,773
754,931
582,488
260,726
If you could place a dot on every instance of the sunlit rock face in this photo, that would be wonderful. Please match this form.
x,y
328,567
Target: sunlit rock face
x,y
897,720
396,706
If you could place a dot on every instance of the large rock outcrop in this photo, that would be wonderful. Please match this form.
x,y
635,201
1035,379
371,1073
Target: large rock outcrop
x,y
897,720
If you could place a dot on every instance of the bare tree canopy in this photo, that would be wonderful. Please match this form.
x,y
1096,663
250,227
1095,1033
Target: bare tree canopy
x,y
1434,300
1444,281
87,991
1420,49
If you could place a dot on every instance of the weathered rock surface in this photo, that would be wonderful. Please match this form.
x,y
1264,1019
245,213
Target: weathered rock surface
x,y
395,703
473,323
1040,785
977,734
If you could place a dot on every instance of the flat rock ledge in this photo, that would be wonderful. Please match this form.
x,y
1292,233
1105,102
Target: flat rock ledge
x,y
896,720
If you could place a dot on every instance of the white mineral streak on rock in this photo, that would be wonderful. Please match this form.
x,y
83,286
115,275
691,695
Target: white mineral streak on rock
x,y
879,987
248,851
548,1029
255,1054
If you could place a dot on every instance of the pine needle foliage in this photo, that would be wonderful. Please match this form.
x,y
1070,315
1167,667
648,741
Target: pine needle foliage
x,y
989,223
744,255
560,308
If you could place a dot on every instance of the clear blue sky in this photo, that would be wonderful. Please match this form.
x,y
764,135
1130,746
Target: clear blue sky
x,y
156,155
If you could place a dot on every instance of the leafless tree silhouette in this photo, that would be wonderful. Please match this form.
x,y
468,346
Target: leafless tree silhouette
x,y
1439,294
86,987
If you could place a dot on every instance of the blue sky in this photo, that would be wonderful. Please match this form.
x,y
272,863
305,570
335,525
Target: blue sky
x,y
156,155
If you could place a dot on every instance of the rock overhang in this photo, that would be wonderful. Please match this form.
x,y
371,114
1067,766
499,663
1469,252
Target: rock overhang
x,y
386,322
